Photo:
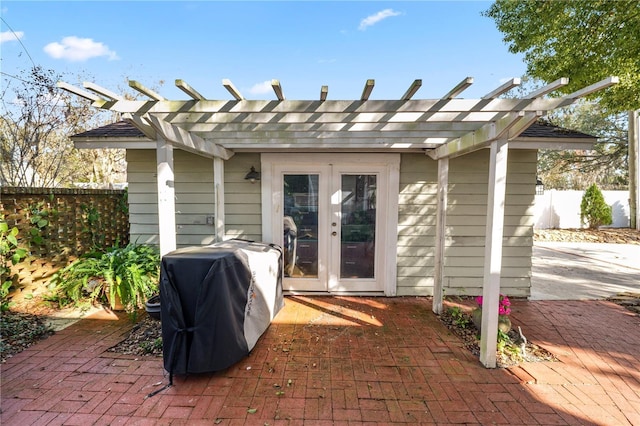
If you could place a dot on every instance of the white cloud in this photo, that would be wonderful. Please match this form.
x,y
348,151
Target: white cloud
x,y
77,49
374,19
11,36
261,88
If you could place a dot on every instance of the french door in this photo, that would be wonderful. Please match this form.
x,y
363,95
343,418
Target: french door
x,y
332,220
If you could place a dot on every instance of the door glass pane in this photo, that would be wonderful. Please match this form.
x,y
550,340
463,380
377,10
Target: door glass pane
x,y
300,226
358,227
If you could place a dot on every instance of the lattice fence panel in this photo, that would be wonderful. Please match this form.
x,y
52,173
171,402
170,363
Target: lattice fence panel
x,y
78,221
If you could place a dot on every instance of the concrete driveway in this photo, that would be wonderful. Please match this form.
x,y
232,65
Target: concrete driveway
x,y
584,271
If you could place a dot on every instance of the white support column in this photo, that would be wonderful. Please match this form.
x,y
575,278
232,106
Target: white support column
x,y
493,251
166,197
218,193
441,219
634,169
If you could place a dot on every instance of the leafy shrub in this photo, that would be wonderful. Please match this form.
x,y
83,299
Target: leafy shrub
x,y
594,211
10,254
129,273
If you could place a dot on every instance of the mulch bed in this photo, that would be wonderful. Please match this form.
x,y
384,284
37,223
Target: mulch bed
x,y
19,331
461,324
145,338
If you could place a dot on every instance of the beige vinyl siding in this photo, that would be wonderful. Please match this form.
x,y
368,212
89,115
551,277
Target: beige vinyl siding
x,y
466,221
143,198
243,205
194,198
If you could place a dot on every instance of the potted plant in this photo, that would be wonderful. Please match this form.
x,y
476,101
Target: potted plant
x,y
123,274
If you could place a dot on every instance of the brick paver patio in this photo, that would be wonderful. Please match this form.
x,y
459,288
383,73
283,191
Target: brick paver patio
x,y
343,360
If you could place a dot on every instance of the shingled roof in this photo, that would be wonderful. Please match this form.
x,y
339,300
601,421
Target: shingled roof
x,y
544,129
120,129
124,129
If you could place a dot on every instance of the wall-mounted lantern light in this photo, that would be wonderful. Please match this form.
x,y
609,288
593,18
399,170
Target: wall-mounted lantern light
x,y
539,187
252,176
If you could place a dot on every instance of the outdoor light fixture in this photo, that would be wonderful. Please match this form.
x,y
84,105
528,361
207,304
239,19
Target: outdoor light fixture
x,y
252,176
539,187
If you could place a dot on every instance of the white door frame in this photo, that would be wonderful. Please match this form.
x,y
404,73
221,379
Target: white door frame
x,y
272,164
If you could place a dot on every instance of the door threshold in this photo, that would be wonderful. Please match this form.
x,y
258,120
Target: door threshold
x,y
335,293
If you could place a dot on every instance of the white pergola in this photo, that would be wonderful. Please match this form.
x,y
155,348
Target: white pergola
x,y
442,128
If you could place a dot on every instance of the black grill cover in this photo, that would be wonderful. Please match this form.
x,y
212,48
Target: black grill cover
x,y
216,301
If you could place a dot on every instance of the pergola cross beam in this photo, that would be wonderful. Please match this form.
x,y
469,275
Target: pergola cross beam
x,y
478,139
187,141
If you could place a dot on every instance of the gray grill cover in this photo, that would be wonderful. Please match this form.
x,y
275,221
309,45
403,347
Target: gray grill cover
x,y
216,301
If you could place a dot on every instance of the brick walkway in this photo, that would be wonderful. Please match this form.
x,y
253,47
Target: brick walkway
x,y
332,361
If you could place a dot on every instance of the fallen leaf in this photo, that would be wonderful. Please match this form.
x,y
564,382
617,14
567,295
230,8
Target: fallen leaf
x,y
252,410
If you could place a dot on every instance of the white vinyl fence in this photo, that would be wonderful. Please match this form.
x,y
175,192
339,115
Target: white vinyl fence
x,y
561,209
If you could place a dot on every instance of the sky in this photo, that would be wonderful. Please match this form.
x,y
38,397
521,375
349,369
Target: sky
x,y
304,45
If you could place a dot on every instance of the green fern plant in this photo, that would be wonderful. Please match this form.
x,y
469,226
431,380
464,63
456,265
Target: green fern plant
x,y
129,274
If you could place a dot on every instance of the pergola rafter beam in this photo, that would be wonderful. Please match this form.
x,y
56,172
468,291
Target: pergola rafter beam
x,y
79,92
368,88
514,82
602,84
102,91
277,89
186,88
412,89
145,91
324,91
561,82
232,89
186,140
459,88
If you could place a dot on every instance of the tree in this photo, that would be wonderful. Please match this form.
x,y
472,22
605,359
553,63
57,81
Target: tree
x,y
36,121
585,40
606,164
594,211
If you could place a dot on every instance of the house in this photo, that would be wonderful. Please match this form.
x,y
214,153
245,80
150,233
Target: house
x,y
384,197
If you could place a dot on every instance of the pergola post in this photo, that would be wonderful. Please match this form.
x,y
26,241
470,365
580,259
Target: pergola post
x,y
634,169
493,251
166,196
441,216
218,194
